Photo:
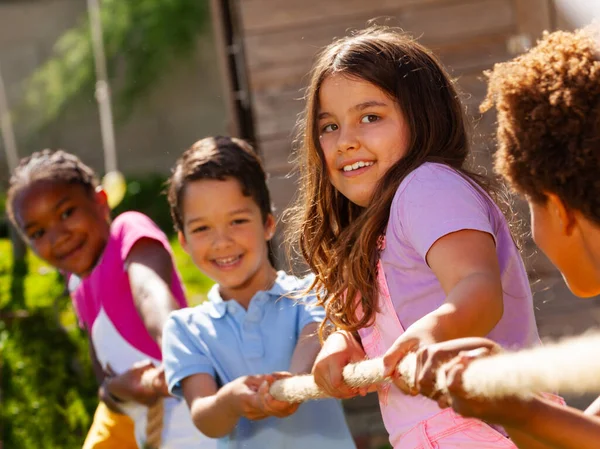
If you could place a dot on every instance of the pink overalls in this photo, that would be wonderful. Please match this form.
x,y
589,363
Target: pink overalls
x,y
416,422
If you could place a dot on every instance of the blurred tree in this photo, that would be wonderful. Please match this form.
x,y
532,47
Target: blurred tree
x,y
141,38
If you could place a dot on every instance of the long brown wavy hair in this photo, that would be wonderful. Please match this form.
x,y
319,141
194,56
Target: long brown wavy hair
x,y
337,238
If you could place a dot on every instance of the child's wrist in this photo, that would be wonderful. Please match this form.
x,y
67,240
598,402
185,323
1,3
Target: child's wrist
x,y
226,399
107,390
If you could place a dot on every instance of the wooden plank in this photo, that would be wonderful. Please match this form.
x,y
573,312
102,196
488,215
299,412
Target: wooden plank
x,y
276,153
436,25
276,110
533,17
471,54
261,16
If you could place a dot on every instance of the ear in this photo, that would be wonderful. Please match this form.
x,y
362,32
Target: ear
x,y
564,216
102,200
101,196
270,226
182,241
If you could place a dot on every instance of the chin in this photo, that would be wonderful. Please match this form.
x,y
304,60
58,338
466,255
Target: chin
x,y
583,289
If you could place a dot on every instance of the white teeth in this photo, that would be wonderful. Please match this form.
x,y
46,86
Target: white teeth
x,y
357,165
227,260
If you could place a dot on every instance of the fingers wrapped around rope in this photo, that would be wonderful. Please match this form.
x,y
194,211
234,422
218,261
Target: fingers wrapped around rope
x,y
568,366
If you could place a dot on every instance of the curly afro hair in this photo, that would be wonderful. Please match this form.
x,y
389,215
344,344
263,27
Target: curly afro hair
x,y
548,103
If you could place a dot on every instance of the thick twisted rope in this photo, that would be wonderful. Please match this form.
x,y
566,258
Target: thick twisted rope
x,y
569,366
154,425
155,416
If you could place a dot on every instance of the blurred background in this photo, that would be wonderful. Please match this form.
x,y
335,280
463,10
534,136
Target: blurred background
x,y
180,70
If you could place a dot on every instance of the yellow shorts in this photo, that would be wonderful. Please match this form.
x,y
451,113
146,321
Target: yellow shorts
x,y
110,431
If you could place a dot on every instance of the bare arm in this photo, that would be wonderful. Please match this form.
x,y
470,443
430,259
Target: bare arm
x,y
216,412
212,415
466,265
306,350
149,267
560,427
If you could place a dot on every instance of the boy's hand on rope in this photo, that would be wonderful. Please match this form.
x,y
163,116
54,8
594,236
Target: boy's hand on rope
x,y
243,396
340,349
269,405
510,411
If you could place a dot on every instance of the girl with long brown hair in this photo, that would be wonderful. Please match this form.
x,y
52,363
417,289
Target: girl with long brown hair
x,y
407,245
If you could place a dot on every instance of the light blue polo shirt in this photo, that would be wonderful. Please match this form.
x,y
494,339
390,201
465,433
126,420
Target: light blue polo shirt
x,y
224,340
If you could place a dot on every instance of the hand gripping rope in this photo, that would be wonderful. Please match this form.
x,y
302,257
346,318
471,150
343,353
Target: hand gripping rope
x,y
569,366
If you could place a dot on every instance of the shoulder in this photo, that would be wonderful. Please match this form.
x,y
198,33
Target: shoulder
x,y
287,284
431,177
435,184
189,315
132,220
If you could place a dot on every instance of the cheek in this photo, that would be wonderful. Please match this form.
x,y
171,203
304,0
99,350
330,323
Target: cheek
x,y
42,248
329,153
196,246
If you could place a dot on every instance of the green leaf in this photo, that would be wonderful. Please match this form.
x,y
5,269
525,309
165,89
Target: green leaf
x,y
142,38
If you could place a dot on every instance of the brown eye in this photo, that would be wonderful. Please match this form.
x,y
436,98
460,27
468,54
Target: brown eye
x,y
370,118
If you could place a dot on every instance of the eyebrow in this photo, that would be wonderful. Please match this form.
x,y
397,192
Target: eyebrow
x,y
359,107
242,210
31,224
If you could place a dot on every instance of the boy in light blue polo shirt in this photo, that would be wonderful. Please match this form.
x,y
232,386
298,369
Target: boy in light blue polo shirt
x,y
223,355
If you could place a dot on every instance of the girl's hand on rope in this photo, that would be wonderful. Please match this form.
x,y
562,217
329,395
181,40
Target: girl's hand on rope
x,y
507,412
409,341
430,358
340,349
269,405
142,383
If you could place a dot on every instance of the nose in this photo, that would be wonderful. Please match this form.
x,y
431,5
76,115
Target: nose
x,y
222,239
348,139
58,235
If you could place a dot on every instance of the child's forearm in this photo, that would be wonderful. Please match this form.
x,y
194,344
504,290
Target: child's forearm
x,y
525,441
559,427
306,350
214,415
472,309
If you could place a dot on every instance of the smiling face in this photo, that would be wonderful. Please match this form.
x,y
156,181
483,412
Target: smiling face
x,y
65,224
362,133
226,236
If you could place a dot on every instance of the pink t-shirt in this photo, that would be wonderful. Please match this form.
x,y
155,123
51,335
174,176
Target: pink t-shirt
x,y
431,202
106,293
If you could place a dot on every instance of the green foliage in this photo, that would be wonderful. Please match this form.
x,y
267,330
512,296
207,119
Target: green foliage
x,y
49,391
32,284
146,195
141,38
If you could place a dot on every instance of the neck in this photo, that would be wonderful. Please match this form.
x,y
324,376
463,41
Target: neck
x,y
591,239
262,280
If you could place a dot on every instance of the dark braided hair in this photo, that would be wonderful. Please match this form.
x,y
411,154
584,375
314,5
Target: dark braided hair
x,y
48,165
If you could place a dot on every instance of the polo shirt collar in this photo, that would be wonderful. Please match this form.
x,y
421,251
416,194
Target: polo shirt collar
x,y
283,284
